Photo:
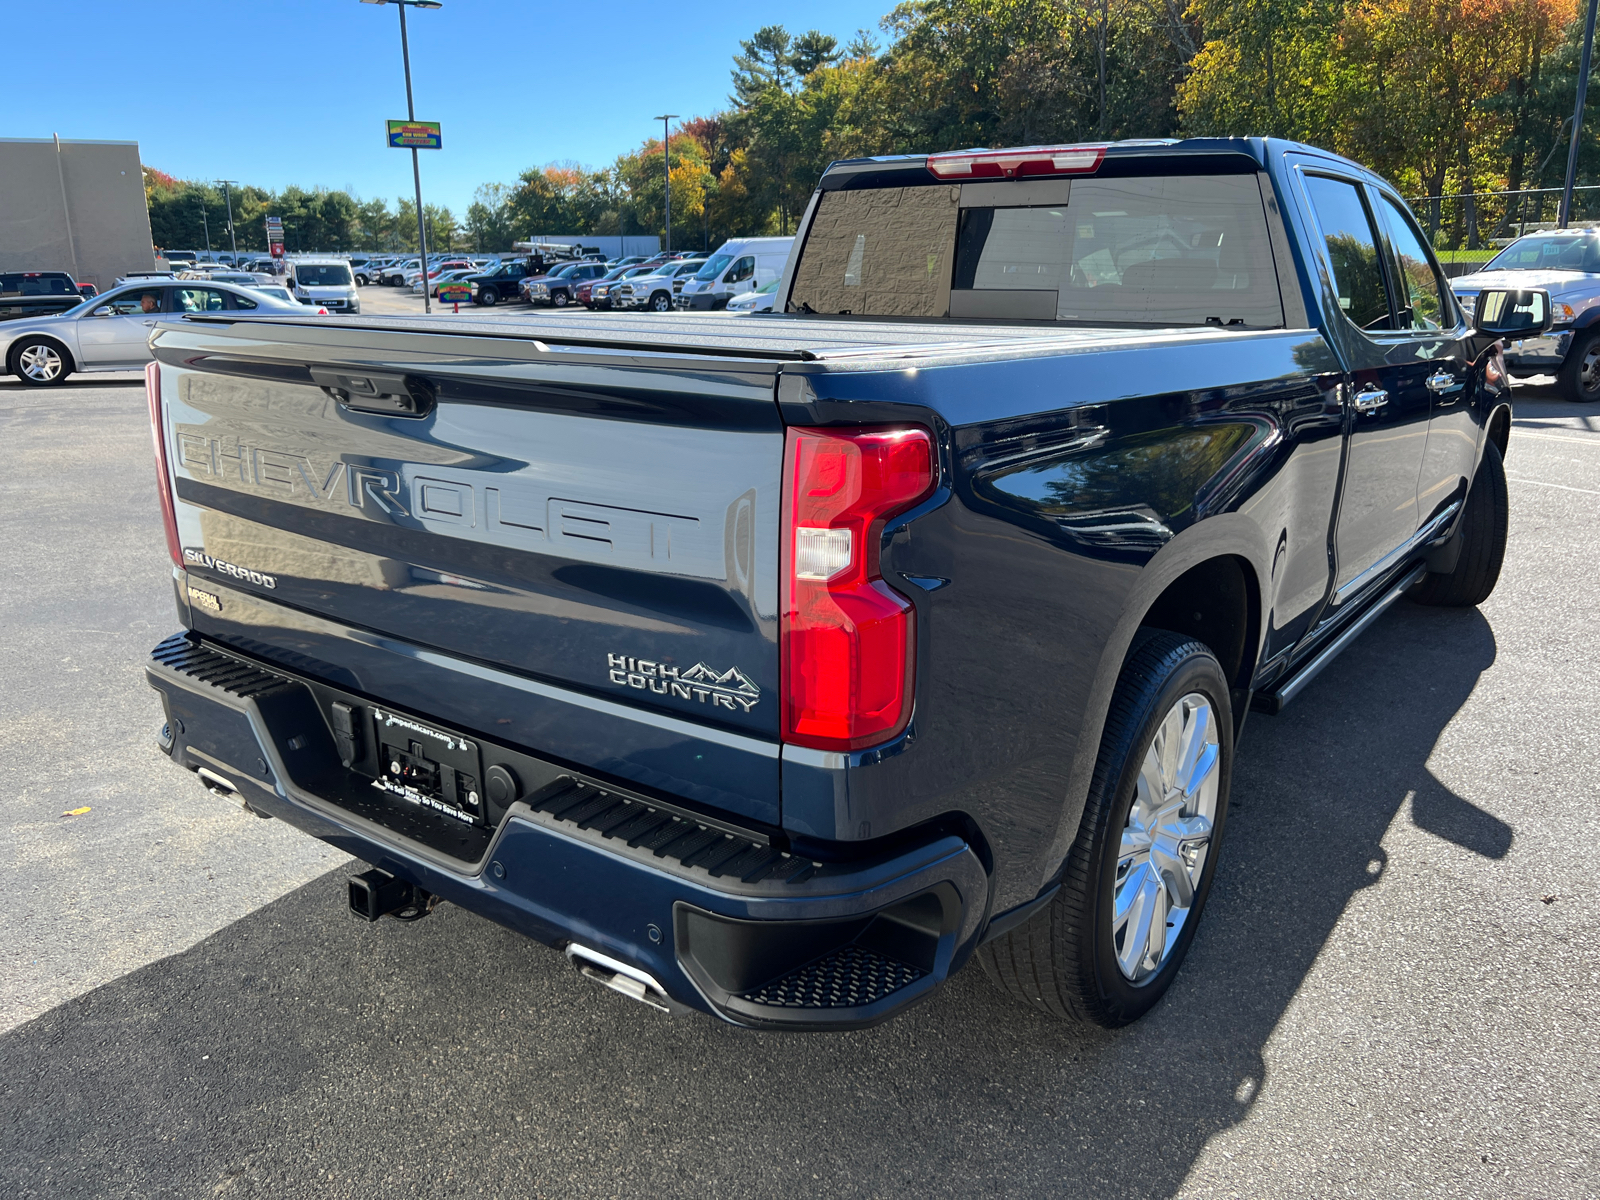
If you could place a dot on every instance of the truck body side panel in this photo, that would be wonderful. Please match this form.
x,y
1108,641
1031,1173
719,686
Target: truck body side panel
x,y
1032,570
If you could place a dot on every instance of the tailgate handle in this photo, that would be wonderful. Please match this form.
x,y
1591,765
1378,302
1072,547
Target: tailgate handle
x,y
376,392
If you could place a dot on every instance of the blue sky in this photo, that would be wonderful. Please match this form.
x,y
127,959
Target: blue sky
x,y
297,91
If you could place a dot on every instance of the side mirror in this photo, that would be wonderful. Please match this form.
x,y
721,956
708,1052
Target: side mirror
x,y
1511,312
103,311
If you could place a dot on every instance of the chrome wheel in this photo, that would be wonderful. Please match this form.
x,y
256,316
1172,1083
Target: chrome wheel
x,y
41,363
1589,369
1166,838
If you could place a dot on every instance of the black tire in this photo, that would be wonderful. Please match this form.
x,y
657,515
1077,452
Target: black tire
x,y
49,362
1576,385
661,302
362,280
1483,542
488,297
559,299
1064,959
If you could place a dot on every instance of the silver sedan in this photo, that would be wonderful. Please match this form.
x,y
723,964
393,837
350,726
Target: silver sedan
x,y
111,332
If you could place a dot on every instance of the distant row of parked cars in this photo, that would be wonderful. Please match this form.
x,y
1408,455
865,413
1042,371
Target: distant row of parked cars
x,y
742,275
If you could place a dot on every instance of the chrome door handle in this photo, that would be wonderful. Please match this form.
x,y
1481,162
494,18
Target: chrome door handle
x,y
1443,381
1371,399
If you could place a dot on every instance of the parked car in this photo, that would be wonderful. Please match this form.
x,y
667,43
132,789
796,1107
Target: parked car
x,y
278,292
110,332
585,293
394,275
324,281
652,290
738,266
1566,263
759,300
37,283
780,673
25,294
557,288
141,276
500,282
602,290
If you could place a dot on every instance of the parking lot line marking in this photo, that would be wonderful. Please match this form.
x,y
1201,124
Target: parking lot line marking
x,y
1563,487
1558,437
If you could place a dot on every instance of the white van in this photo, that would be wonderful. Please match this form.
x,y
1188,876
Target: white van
x,y
324,281
739,266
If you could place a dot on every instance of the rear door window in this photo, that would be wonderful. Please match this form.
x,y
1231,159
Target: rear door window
x,y
1190,250
197,299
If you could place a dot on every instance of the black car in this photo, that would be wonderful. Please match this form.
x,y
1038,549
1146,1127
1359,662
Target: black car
x,y
498,283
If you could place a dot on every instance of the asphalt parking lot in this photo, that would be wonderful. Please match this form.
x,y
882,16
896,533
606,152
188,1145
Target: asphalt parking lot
x,y
1394,992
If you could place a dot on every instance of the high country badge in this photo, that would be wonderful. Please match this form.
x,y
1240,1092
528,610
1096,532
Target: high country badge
x,y
731,689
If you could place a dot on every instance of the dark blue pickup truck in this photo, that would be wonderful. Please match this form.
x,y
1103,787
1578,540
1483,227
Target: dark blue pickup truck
x,y
775,666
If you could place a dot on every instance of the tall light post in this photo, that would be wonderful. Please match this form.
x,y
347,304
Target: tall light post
x,y
228,196
206,225
1577,117
411,115
666,159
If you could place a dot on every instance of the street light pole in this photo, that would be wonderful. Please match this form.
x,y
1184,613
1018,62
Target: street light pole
x,y
206,225
411,115
1577,116
228,196
666,159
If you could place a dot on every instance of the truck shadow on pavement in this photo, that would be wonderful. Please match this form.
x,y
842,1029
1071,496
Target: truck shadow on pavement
x,y
299,1052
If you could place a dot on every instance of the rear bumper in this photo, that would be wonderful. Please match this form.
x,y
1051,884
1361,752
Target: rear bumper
x,y
726,919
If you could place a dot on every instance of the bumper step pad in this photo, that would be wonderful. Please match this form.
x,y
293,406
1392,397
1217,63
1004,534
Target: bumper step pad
x,y
848,978
667,834
232,676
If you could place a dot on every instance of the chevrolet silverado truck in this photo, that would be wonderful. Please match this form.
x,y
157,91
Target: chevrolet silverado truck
x,y
777,666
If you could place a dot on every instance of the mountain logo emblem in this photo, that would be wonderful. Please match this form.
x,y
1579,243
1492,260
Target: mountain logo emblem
x,y
731,689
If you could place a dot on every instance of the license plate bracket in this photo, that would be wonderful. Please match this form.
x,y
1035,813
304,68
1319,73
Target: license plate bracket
x,y
430,767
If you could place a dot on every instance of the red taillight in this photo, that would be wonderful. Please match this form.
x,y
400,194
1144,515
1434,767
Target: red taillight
x,y
1011,164
169,515
848,641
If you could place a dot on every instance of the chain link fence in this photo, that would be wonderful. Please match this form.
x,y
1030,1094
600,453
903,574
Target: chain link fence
x,y
1469,228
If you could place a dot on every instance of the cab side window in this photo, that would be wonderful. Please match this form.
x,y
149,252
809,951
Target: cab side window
x,y
1351,249
1420,292
742,270
241,301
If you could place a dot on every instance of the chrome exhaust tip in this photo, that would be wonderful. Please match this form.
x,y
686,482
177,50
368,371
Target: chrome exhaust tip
x,y
621,978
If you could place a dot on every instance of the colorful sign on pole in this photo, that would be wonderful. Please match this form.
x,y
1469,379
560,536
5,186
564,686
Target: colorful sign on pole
x,y
275,236
415,135
455,293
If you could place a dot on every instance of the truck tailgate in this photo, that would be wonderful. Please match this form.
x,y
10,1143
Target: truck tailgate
x,y
605,521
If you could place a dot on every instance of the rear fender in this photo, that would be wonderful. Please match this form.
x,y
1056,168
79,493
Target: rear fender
x,y
1223,536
